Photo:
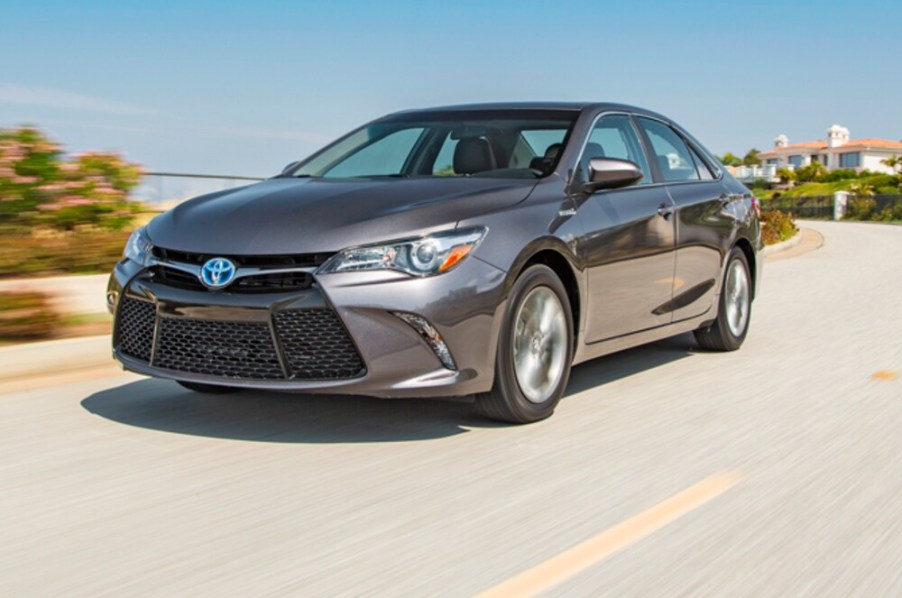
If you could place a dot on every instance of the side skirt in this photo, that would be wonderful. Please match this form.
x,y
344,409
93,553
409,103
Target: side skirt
x,y
613,345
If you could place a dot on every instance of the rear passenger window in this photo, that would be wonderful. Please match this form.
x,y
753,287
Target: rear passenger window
x,y
704,172
674,158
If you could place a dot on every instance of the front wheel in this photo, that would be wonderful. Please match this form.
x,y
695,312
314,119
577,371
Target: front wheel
x,y
735,308
535,350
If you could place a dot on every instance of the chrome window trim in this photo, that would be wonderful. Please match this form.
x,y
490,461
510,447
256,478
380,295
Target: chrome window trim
x,y
689,141
718,171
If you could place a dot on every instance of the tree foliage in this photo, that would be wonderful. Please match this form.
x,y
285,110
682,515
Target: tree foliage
x,y
810,172
39,185
729,159
894,162
786,174
751,158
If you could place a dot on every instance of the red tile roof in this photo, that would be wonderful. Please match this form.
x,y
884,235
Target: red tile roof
x,y
875,143
870,142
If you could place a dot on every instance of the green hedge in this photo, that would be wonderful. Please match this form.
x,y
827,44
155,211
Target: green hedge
x,y
777,226
81,252
27,316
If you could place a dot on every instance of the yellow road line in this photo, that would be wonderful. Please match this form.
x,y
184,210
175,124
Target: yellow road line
x,y
545,576
885,375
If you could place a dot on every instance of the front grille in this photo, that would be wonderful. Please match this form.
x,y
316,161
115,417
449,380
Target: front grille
x,y
270,282
316,345
136,324
177,278
218,348
301,260
314,342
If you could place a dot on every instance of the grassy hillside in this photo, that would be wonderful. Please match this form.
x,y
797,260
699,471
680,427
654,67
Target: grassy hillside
x,y
882,184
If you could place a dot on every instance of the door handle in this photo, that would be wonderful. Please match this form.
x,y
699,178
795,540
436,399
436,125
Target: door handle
x,y
664,211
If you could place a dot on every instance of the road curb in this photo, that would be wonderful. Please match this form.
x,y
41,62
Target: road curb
x,y
784,245
45,357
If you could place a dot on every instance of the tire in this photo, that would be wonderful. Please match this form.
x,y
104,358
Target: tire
x,y
209,389
734,313
532,364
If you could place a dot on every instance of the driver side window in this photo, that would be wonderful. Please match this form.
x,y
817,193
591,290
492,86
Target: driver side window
x,y
614,137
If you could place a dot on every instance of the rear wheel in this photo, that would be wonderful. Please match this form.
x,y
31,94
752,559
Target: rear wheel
x,y
535,350
210,389
735,309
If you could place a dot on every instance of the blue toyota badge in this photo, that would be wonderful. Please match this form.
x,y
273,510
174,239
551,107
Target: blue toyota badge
x,y
217,273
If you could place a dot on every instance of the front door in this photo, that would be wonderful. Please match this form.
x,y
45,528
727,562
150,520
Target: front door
x,y
628,246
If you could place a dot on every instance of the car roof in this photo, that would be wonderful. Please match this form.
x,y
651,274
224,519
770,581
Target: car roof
x,y
550,106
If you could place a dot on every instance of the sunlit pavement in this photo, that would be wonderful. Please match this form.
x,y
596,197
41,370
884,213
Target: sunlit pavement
x,y
775,470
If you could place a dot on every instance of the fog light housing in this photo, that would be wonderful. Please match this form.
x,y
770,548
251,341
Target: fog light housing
x,y
432,337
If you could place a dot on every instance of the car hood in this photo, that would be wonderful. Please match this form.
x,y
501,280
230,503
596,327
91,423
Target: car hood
x,y
290,215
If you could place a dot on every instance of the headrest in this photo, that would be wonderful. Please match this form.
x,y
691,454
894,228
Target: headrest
x,y
472,155
593,150
544,163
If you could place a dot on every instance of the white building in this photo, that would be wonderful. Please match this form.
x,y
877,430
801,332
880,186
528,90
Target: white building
x,y
837,151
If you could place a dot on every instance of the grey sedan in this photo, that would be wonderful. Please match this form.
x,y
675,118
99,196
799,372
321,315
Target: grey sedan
x,y
461,251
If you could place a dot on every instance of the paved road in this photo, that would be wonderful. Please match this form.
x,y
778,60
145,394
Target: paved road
x,y
775,470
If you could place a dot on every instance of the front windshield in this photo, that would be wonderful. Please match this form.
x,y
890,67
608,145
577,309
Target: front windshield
x,y
468,143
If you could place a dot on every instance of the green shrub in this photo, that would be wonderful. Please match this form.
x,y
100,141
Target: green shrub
x,y
83,251
41,186
811,172
27,316
861,208
777,226
840,174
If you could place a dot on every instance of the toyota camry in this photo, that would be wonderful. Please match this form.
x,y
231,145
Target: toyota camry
x,y
468,251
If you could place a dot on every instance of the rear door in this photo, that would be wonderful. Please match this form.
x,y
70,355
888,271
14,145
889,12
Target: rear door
x,y
629,242
704,218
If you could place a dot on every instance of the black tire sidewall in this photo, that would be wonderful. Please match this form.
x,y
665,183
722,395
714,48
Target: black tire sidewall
x,y
506,379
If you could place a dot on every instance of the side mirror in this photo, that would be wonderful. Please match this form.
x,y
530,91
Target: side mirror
x,y
290,166
611,173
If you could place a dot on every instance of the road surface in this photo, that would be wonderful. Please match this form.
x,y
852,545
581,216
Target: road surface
x,y
772,471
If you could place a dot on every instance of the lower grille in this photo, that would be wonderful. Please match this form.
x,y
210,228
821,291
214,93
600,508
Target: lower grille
x,y
217,348
136,324
316,345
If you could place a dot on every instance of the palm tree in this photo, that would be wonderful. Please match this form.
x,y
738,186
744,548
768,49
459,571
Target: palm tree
x,y
894,162
787,175
861,190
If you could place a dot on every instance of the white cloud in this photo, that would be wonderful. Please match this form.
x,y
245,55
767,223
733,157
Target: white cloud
x,y
56,98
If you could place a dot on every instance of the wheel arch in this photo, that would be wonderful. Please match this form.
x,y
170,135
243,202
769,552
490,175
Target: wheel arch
x,y
751,257
558,260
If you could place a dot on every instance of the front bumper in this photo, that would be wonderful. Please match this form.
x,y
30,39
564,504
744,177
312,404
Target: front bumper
x,y
464,305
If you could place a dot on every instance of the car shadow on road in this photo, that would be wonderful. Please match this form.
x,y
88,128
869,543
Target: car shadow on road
x,y
627,363
297,418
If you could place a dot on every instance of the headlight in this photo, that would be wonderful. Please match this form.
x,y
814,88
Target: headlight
x,y
420,257
138,248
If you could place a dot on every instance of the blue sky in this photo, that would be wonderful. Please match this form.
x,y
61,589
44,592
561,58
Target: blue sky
x,y
243,88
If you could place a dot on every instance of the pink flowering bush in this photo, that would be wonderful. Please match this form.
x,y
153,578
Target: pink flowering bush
x,y
39,186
